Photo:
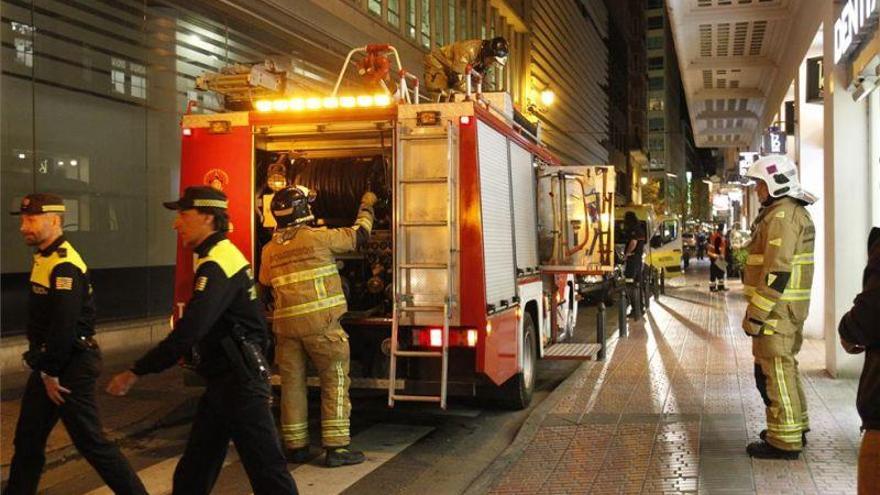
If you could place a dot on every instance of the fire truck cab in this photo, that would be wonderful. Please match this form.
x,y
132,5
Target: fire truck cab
x,y
468,277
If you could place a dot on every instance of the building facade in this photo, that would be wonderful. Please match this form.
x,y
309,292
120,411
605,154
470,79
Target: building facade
x,y
92,93
627,86
669,138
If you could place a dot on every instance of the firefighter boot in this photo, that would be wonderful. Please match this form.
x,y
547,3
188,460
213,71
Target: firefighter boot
x,y
763,450
299,455
343,456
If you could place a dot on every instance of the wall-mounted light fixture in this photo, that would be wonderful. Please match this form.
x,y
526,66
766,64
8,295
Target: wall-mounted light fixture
x,y
539,97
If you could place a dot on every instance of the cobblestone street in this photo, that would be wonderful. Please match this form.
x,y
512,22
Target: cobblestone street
x,y
673,407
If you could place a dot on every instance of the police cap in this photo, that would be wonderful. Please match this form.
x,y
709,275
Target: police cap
x,y
39,203
199,197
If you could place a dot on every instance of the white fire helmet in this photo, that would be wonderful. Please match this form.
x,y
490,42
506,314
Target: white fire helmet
x,y
780,174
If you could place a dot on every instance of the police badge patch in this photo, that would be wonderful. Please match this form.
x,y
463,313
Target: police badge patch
x,y
201,283
64,283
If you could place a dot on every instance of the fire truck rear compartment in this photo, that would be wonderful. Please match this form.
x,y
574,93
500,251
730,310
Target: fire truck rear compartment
x,y
340,164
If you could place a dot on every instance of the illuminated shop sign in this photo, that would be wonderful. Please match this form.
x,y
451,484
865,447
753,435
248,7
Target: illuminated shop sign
x,y
855,16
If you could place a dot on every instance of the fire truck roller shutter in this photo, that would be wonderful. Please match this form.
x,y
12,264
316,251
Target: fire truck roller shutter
x,y
525,220
498,237
339,182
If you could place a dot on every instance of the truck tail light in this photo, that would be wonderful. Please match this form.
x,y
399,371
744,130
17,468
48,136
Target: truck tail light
x,y
436,337
187,131
471,338
465,120
433,337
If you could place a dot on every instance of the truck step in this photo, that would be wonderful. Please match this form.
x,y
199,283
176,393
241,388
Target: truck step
x,y
578,352
424,223
426,354
425,180
416,398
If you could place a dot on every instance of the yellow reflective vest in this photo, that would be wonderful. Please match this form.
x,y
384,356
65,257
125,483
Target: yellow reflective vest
x,y
778,273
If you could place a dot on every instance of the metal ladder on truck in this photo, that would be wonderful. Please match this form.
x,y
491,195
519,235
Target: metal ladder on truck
x,y
419,180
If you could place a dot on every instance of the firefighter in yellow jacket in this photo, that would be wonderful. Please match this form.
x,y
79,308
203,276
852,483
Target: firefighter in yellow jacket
x,y
778,276
446,66
299,265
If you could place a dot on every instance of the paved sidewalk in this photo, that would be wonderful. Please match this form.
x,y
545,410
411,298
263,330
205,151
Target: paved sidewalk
x,y
672,409
154,400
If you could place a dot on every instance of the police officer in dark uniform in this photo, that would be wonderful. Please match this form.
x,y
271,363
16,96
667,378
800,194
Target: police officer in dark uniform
x,y
64,357
223,333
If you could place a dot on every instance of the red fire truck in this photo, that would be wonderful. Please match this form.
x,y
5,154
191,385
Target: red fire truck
x,y
469,276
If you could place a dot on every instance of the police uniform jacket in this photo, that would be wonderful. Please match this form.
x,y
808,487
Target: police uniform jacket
x,y
779,269
61,308
223,297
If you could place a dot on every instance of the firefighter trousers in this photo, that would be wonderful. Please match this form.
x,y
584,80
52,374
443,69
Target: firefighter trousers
x,y
329,353
779,382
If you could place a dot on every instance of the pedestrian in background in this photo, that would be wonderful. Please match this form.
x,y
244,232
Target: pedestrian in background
x,y
860,332
64,357
222,333
717,251
701,245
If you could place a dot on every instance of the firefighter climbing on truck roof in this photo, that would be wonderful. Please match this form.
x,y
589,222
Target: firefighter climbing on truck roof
x,y
299,264
446,66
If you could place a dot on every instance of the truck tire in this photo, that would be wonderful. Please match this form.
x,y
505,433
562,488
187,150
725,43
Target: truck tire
x,y
516,393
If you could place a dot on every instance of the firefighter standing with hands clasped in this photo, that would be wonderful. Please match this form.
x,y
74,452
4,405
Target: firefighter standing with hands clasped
x,y
299,265
222,332
64,357
777,280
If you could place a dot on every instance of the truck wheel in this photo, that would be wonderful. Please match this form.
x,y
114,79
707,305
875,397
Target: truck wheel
x,y
516,393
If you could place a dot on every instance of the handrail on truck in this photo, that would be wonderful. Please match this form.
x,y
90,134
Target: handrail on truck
x,y
403,74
